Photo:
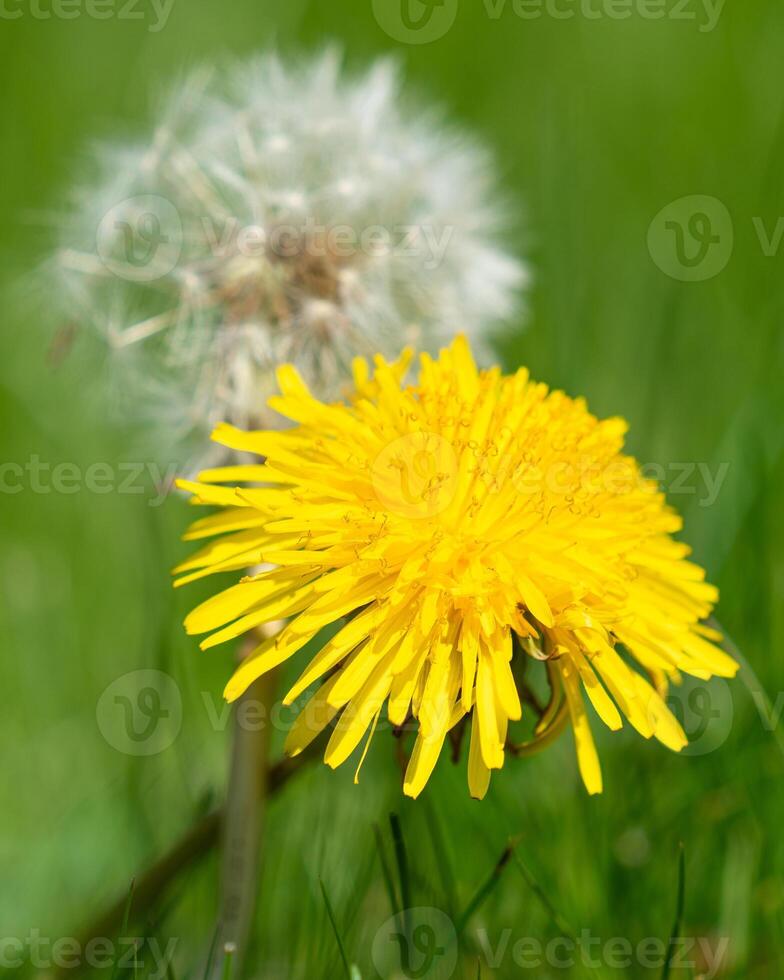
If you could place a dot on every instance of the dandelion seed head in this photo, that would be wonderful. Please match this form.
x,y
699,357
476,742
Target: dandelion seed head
x,y
283,211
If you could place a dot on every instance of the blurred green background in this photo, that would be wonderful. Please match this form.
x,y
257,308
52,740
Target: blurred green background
x,y
598,124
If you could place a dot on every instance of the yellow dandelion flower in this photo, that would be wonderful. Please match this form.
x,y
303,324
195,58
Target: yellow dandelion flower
x,y
453,528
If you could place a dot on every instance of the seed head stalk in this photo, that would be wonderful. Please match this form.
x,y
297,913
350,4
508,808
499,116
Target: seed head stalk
x,y
243,828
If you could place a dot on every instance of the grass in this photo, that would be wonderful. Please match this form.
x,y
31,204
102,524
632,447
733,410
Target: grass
x,y
675,935
597,125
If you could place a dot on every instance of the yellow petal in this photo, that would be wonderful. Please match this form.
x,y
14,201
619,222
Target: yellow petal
x,y
282,606
535,600
357,715
469,649
505,686
335,650
478,773
248,473
311,721
666,728
241,598
587,757
271,653
231,519
599,698
205,493
422,763
492,750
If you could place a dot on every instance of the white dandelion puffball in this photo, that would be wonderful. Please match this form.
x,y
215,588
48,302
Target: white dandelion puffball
x,y
283,212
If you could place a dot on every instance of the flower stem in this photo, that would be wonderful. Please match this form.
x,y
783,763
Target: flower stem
x,y
553,721
196,843
244,821
542,738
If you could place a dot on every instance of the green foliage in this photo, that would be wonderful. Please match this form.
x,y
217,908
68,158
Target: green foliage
x,y
597,125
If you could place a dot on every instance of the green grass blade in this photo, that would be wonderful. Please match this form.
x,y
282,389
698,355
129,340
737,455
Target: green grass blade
x,y
228,960
769,712
562,926
211,955
124,927
442,857
557,919
485,889
679,906
336,931
386,871
402,860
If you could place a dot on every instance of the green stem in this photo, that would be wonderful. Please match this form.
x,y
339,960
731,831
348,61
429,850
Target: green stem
x,y
553,721
243,825
195,844
679,907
